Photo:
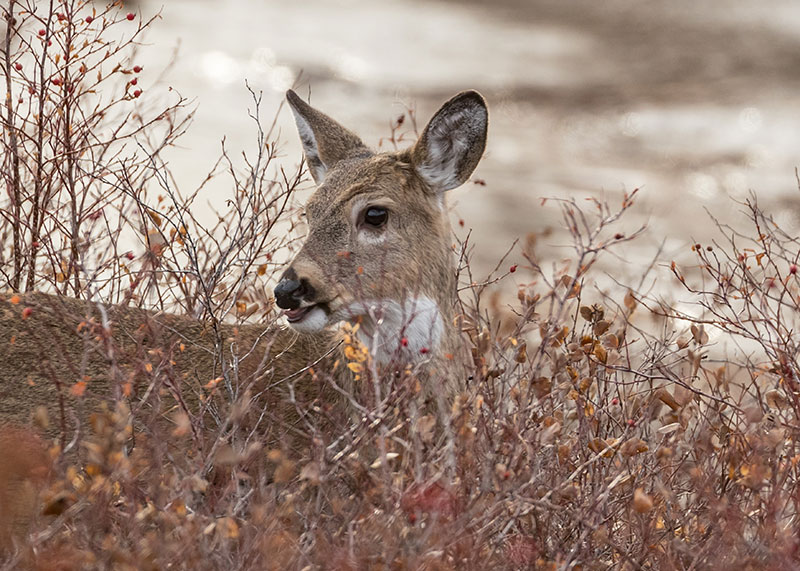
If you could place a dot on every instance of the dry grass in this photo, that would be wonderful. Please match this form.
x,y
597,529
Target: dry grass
x,y
587,437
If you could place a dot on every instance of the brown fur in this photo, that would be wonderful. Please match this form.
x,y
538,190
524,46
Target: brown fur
x,y
344,261
60,358
48,344
24,466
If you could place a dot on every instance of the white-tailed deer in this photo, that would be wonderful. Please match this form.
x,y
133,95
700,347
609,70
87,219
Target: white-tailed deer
x,y
379,243
378,253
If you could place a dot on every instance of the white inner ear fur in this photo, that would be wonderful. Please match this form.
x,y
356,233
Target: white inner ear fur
x,y
315,164
448,140
385,323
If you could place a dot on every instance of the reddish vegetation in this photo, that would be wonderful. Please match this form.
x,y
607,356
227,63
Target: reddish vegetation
x,y
599,428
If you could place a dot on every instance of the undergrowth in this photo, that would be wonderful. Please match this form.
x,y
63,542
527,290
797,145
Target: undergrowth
x,y
596,430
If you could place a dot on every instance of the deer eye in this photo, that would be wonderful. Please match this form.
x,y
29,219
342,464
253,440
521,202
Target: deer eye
x,y
376,216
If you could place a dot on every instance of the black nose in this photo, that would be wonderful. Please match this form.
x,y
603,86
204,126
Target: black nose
x,y
289,293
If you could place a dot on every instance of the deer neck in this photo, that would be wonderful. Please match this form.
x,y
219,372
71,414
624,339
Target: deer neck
x,y
412,330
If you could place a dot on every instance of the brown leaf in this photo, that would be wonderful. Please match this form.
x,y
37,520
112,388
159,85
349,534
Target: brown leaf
x,y
600,353
311,473
226,456
425,427
634,446
630,301
601,327
664,396
642,503
284,472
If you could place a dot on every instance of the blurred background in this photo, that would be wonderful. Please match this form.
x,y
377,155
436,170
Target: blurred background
x,y
693,102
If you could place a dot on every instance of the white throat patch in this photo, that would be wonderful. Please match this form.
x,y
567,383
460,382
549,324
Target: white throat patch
x,y
400,332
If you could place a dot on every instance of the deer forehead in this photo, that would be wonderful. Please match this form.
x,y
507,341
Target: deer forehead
x,y
384,176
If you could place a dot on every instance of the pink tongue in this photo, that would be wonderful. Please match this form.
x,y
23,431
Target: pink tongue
x,y
293,314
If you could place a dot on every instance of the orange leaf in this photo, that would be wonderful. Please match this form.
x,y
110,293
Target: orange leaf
x,y
78,389
212,383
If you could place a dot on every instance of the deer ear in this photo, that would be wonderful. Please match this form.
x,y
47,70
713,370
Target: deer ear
x,y
453,142
325,142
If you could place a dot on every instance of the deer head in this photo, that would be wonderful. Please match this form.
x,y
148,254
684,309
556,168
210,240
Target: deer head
x,y
378,249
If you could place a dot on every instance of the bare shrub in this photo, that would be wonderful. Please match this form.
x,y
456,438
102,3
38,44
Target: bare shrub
x,y
585,438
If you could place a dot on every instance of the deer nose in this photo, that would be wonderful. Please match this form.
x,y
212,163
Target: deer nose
x,y
289,293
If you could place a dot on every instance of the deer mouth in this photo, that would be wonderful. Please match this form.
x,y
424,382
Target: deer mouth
x,y
297,315
314,314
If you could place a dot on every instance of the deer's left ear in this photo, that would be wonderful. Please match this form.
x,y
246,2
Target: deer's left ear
x,y
453,142
325,142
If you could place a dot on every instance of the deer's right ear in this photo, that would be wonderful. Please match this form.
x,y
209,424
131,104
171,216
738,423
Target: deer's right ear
x,y
325,142
453,142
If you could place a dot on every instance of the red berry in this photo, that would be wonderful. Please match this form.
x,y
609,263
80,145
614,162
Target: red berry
x,y
89,19
404,342
35,245
26,313
42,32
424,350
130,16
137,93
56,81
137,68
18,66
461,222
61,17
793,269
631,423
134,81
615,401
129,255
513,268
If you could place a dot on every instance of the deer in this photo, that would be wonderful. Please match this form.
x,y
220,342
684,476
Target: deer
x,y
378,255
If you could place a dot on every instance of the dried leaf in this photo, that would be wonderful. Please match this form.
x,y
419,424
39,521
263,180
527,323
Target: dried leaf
x,y
78,389
642,503
669,428
664,396
776,399
699,334
284,472
600,353
601,327
634,446
425,426
226,456
522,353
630,301
311,473
183,424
